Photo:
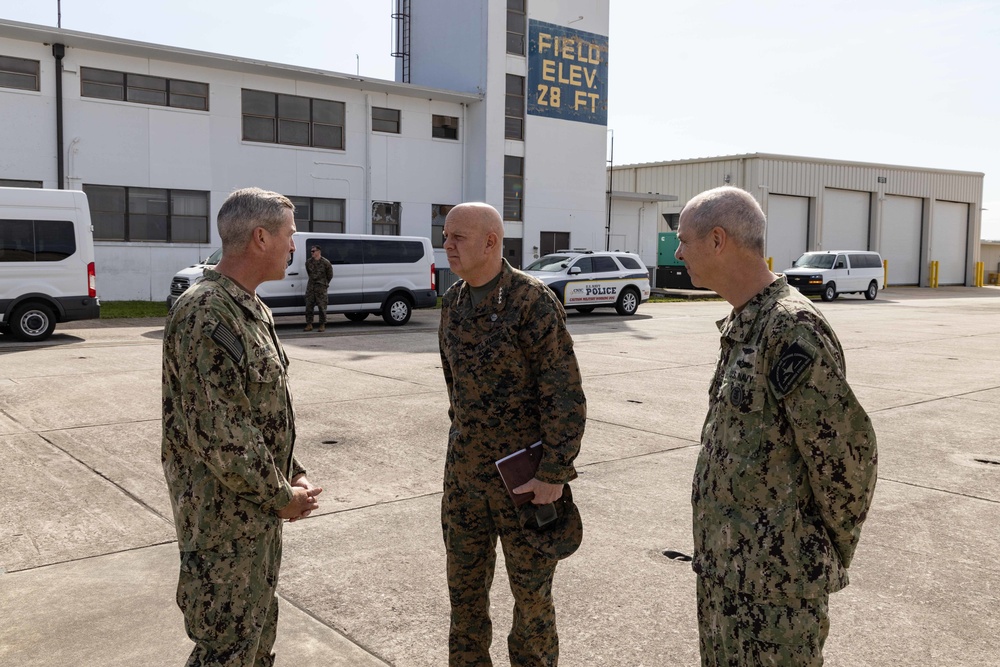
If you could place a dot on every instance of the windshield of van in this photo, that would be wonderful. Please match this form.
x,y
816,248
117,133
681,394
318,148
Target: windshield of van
x,y
552,263
214,258
814,260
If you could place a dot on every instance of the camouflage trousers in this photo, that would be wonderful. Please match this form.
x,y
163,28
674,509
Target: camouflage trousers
x,y
471,526
736,630
228,598
316,296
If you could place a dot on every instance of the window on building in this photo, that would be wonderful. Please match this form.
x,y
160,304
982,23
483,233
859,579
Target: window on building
x,y
673,220
143,89
513,187
514,108
14,183
444,127
550,242
385,120
275,118
438,214
148,214
313,214
385,218
36,240
18,73
517,20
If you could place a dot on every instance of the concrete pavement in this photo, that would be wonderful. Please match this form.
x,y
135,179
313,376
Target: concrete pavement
x,y
89,562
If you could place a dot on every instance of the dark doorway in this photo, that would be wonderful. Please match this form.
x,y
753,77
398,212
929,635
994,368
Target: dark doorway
x,y
512,252
549,242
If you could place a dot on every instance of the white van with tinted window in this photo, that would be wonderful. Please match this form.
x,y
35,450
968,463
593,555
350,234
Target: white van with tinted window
x,y
831,273
47,270
383,275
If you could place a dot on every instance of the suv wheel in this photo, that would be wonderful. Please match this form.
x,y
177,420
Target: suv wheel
x,y
585,309
356,317
871,291
628,302
397,310
829,292
33,321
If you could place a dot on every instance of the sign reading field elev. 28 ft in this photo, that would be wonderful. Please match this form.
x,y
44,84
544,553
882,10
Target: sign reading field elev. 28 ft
x,y
567,73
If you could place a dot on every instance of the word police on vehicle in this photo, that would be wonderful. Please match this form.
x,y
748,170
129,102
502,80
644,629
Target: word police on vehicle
x,y
586,279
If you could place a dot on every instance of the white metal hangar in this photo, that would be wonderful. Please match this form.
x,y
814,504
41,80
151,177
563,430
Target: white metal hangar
x,y
911,215
511,110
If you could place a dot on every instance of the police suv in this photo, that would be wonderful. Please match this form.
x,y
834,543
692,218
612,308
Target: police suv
x,y
586,279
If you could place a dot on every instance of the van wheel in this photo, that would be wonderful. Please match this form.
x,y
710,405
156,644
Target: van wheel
x,y
32,321
628,302
829,292
871,291
397,310
356,317
585,309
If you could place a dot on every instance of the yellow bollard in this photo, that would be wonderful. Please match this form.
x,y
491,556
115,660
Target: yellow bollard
x,y
979,274
885,273
770,263
933,278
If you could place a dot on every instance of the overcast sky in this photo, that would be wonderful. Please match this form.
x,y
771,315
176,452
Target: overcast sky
x,y
907,82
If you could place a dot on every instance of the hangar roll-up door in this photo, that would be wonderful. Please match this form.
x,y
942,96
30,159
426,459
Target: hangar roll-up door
x,y
949,238
900,245
787,229
846,216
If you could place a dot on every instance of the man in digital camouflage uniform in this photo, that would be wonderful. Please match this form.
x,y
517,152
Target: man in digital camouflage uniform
x,y
512,379
320,273
787,468
228,435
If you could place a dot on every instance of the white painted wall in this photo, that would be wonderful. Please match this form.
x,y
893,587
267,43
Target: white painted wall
x,y
128,144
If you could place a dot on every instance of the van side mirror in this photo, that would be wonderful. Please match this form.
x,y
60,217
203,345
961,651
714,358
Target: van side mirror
x,y
840,265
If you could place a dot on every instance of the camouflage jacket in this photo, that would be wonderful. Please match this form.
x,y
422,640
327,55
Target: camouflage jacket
x,y
512,379
320,272
228,428
788,465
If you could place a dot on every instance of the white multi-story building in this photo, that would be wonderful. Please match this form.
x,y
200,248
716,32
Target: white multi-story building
x,y
511,110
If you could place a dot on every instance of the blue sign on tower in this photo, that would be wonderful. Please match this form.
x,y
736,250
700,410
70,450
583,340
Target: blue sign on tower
x,y
567,73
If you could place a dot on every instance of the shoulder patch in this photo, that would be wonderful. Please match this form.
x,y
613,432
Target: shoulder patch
x,y
787,370
225,337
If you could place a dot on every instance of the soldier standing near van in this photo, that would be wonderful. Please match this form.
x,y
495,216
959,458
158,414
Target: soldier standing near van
x,y
320,273
512,379
787,469
228,436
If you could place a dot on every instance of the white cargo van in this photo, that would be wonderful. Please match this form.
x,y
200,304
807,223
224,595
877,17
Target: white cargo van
x,y
830,273
47,272
386,275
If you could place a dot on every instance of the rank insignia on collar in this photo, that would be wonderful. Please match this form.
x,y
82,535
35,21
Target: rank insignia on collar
x,y
500,295
789,367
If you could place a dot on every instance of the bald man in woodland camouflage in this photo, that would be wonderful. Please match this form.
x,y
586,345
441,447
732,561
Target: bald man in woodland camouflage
x,y
228,439
787,469
512,379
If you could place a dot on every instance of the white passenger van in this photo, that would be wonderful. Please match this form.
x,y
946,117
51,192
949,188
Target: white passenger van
x,y
830,273
47,272
385,275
